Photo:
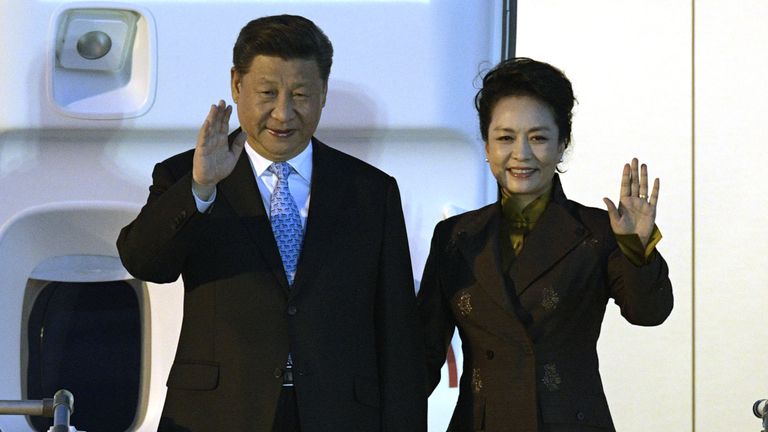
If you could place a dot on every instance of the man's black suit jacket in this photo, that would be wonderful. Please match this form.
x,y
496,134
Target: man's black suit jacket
x,y
349,320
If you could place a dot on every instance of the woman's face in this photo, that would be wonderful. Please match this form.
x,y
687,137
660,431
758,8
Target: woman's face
x,y
523,147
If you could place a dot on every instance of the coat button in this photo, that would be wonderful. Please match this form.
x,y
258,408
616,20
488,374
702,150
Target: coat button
x,y
489,354
278,372
580,416
292,310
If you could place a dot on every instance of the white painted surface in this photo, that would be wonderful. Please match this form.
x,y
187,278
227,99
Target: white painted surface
x,y
731,265
630,65
400,97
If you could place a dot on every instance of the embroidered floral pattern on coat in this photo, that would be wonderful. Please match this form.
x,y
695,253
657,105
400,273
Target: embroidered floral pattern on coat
x,y
464,304
551,377
550,299
477,381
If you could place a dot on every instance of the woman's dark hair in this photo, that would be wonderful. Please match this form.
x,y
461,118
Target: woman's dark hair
x,y
285,36
526,77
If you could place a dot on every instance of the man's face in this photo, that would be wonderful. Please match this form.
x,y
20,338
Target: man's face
x,y
279,103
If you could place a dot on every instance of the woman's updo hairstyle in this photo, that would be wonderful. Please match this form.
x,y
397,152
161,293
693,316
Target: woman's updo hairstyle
x,y
526,77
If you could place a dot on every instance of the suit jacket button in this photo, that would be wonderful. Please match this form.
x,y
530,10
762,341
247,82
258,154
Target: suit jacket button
x,y
580,416
292,310
278,372
489,354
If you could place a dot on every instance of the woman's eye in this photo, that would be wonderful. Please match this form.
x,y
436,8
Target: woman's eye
x,y
538,138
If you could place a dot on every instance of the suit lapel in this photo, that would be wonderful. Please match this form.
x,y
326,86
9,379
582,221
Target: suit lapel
x,y
325,209
556,233
242,193
478,241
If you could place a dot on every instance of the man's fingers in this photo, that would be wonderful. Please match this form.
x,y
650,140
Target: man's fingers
x,y
239,142
225,120
215,128
217,116
202,135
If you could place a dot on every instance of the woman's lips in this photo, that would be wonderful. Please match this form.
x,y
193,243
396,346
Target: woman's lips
x,y
521,172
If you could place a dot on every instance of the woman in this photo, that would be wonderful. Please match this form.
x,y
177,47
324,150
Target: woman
x,y
526,279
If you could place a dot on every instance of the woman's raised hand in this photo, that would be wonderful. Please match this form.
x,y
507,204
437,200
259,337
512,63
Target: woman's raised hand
x,y
636,213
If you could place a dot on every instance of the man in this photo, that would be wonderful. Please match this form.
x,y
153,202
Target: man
x,y
299,309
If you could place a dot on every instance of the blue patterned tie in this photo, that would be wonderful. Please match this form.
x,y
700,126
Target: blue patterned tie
x,y
286,221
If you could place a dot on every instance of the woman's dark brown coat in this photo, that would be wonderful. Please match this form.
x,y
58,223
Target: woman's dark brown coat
x,y
529,336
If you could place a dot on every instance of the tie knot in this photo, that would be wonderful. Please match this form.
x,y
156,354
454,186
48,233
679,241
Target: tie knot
x,y
281,169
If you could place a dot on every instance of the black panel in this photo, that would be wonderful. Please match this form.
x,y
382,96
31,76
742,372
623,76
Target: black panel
x,y
508,29
86,338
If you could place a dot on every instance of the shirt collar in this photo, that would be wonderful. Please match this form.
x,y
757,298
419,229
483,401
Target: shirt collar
x,y
301,163
530,214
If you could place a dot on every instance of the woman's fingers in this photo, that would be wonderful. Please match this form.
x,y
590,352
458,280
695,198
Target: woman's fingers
x,y
635,179
626,179
613,212
654,198
643,190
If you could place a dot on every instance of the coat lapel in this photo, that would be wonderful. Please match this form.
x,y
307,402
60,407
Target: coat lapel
x,y
477,239
242,193
556,233
325,208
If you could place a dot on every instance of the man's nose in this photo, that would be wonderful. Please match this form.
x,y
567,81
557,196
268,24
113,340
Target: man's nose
x,y
283,109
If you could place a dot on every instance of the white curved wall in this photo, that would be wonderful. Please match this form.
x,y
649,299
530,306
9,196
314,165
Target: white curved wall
x,y
400,97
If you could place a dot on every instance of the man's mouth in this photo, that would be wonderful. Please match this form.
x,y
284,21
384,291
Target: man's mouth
x,y
280,133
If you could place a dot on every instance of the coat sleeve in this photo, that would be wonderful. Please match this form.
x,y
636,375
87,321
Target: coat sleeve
x,y
644,293
399,340
155,245
435,315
